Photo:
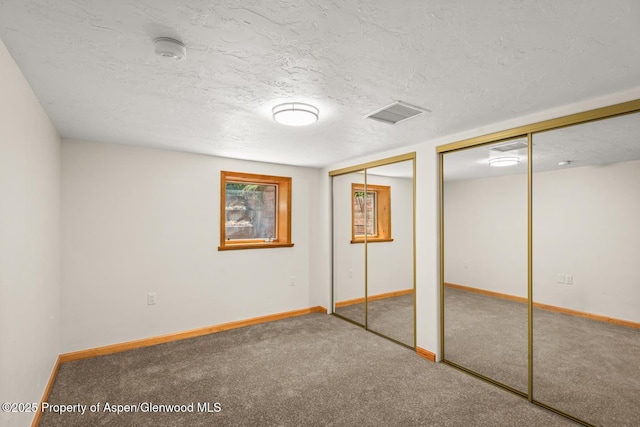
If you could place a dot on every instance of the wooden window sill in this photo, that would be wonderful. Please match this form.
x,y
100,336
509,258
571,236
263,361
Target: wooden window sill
x,y
239,246
372,240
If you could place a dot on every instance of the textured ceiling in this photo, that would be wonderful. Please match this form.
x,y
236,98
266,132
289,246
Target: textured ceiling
x,y
600,142
471,63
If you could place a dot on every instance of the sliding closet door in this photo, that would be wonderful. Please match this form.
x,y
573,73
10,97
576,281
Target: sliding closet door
x,y
390,272
349,218
374,246
485,261
586,270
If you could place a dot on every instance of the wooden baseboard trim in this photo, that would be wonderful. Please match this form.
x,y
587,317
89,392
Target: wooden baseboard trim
x,y
555,309
485,292
426,354
348,302
45,396
148,342
598,317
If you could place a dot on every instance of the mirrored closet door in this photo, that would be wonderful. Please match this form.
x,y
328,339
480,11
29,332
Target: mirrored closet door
x,y
540,270
390,301
485,261
348,259
586,270
374,247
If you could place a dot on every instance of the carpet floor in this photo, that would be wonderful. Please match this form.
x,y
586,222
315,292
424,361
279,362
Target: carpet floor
x,y
313,370
392,317
587,368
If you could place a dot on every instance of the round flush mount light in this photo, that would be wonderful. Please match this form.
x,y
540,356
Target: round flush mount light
x,y
295,114
504,161
170,48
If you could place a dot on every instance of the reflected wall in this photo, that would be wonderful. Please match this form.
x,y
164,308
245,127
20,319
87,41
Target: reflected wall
x,y
485,262
586,274
581,295
348,259
390,274
374,247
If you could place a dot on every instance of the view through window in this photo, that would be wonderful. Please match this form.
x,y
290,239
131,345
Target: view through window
x,y
251,211
255,211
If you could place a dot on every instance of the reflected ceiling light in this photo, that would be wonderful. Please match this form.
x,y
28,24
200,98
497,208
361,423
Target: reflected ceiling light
x,y
170,48
504,161
295,114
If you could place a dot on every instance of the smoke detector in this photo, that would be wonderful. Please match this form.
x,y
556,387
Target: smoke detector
x,y
170,48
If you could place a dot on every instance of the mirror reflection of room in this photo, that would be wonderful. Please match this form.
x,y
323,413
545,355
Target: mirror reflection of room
x,y
390,275
348,259
485,261
373,245
586,270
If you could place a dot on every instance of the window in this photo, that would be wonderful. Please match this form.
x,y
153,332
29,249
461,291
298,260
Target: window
x,y
371,211
255,211
364,213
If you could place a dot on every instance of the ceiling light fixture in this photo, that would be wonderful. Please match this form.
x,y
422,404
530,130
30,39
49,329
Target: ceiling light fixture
x,y
564,163
170,48
295,114
504,161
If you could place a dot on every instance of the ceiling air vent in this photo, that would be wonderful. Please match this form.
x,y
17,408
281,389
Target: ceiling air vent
x,y
395,113
510,146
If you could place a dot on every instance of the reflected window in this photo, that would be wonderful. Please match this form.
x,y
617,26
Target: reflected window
x,y
371,213
365,208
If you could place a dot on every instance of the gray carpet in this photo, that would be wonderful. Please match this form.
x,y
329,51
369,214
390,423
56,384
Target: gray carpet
x,y
586,368
487,335
306,371
392,317
353,312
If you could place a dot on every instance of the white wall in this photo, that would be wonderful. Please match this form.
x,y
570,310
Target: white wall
x,y
29,243
427,258
321,261
427,229
485,223
585,224
390,263
348,258
138,220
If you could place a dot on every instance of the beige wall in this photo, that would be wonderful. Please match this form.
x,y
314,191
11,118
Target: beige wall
x,y
29,243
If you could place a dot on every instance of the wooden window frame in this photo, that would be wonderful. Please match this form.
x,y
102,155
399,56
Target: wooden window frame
x,y
383,213
283,214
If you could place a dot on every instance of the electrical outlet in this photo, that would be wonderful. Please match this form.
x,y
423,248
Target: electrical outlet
x,y
151,298
560,278
292,281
